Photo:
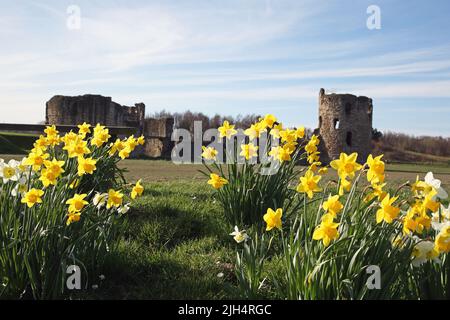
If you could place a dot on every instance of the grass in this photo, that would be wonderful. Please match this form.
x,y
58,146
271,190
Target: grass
x,y
16,143
174,246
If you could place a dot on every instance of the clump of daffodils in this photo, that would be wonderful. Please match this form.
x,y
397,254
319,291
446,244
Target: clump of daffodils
x,y
66,181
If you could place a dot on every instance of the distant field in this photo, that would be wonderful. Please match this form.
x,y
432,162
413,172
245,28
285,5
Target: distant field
x,y
162,170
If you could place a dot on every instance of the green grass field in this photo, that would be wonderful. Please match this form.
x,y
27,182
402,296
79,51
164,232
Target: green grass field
x,y
175,243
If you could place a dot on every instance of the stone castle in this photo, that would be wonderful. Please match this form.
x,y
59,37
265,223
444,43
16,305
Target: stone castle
x,y
345,122
345,125
93,109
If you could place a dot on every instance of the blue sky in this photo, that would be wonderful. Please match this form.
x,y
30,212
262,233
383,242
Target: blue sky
x,y
231,57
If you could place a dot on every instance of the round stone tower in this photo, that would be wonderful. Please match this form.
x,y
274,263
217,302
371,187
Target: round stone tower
x,y
345,125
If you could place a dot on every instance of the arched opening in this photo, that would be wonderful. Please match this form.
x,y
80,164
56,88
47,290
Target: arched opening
x,y
320,122
348,108
348,138
336,123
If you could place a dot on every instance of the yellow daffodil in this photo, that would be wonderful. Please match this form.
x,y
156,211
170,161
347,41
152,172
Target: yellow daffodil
x,y
387,212
332,205
269,120
141,140
346,165
375,173
32,197
312,144
249,151
217,181
138,189
76,147
51,131
288,136
36,159
344,186
114,199
86,166
55,166
125,153
84,129
255,130
377,192
327,230
73,217
48,177
308,184
300,132
275,131
101,136
442,240
322,171
117,146
209,153
77,203
226,130
273,218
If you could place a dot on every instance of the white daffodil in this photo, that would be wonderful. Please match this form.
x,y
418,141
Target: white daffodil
x,y
436,184
9,172
100,199
123,209
424,251
21,187
439,220
239,236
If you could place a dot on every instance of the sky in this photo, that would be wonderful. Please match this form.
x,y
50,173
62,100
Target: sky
x,y
231,57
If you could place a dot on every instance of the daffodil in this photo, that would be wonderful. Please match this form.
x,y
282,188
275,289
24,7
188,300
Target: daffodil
x,y
48,177
273,218
309,184
288,136
442,240
375,173
116,147
436,184
346,165
387,212
332,205
77,147
141,140
101,136
312,144
255,130
73,217
239,235
226,130
55,166
327,230
300,132
269,120
138,189
344,186
114,199
32,197
77,203
9,172
209,153
217,181
51,130
123,209
249,151
36,159
422,252
86,166
125,152
84,129
275,131
100,199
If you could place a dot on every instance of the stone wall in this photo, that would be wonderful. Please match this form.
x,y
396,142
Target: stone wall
x,y
345,125
93,109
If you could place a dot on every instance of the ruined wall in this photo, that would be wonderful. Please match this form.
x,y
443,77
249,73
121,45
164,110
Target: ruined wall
x,y
345,125
93,109
158,132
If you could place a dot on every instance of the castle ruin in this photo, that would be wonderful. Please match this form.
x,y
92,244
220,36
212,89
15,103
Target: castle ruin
x,y
93,109
345,125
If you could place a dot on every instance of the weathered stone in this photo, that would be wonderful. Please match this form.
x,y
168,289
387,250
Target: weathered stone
x,y
345,125
93,109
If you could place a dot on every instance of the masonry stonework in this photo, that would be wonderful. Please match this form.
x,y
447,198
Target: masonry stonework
x,y
345,125
93,109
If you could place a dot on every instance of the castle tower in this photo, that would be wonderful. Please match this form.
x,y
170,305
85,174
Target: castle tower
x,y
345,125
